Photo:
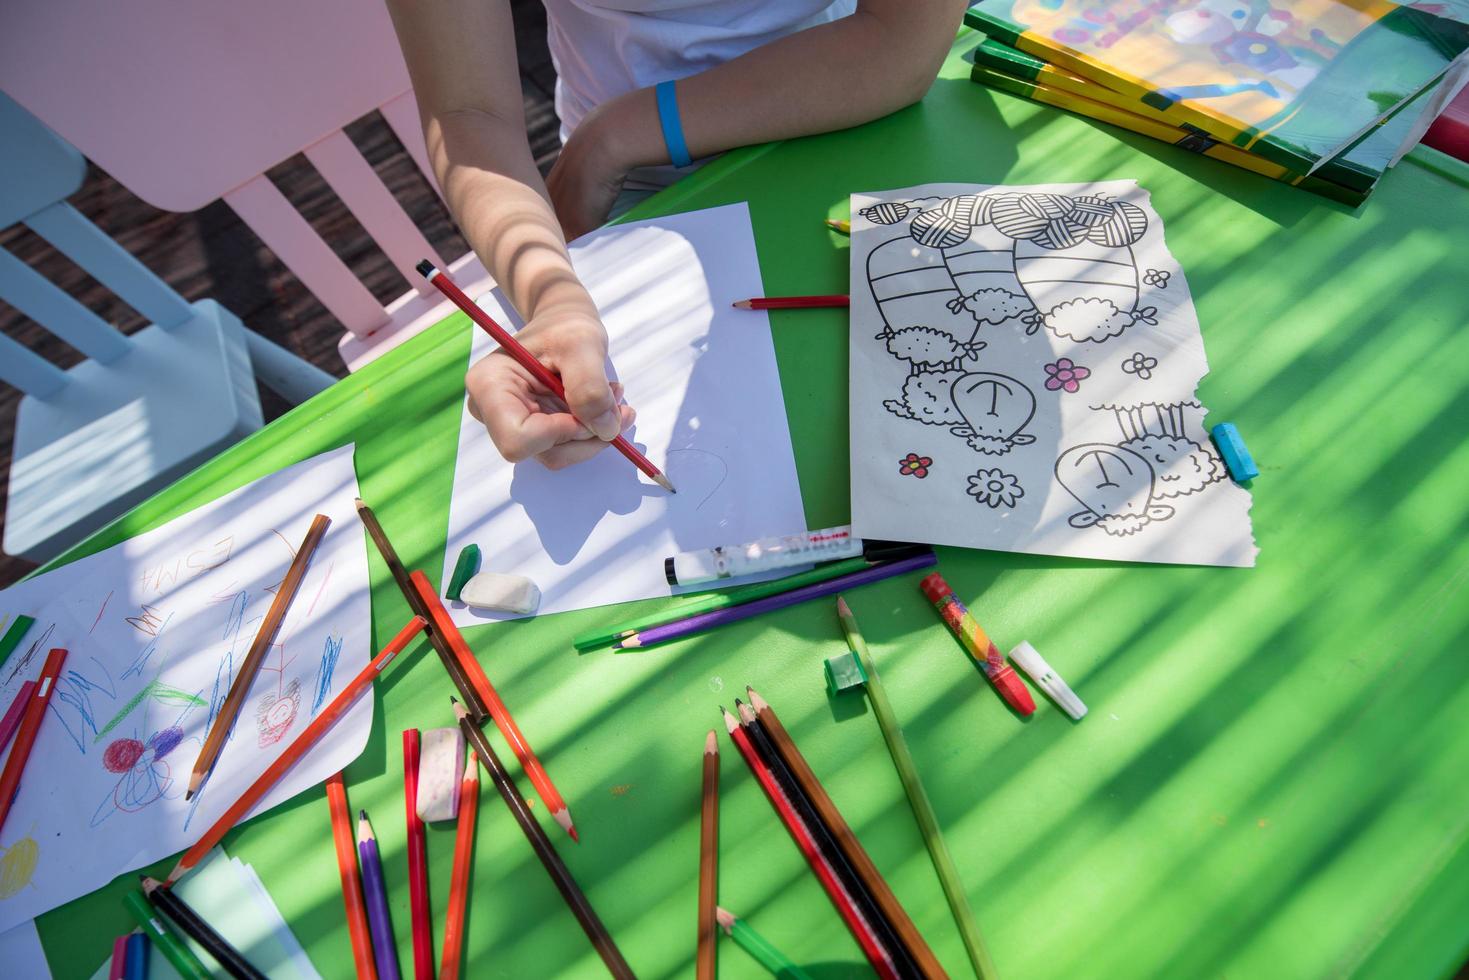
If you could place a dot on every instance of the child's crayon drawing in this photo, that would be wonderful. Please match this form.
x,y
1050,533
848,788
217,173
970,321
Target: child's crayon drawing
x,y
989,318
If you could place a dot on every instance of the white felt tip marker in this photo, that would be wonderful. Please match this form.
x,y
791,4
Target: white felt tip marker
x,y
767,554
1027,659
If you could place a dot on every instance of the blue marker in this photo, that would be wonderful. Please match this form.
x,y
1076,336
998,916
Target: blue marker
x,y
1236,455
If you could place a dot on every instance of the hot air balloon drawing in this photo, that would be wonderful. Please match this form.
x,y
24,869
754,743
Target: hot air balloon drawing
x,y
1115,487
995,409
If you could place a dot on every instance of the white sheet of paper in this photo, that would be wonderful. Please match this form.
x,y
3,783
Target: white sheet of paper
x,y
1023,369
21,953
155,628
703,379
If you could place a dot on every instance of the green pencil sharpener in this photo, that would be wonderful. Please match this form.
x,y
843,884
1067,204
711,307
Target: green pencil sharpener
x,y
844,673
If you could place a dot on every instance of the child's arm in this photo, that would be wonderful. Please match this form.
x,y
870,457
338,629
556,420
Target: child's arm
x,y
880,59
461,57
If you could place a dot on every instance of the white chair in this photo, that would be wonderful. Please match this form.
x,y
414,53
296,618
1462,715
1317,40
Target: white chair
x,y
141,410
185,103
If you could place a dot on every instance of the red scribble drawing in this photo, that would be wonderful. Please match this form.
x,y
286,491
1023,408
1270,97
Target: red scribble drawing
x,y
274,713
100,612
144,776
148,621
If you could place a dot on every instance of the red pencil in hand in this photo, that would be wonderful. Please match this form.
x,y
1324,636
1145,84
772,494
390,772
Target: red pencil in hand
x,y
789,302
528,361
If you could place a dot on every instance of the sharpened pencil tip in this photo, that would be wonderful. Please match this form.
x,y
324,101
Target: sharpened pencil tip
x,y
741,304
729,720
725,917
665,483
188,795
759,703
711,744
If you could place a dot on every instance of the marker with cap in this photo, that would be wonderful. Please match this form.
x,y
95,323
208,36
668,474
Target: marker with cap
x,y
1027,659
770,554
1002,676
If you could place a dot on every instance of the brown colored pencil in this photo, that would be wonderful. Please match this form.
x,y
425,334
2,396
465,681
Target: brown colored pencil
x,y
477,709
225,720
586,916
708,859
847,841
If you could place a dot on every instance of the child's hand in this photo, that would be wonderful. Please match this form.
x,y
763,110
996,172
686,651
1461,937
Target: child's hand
x,y
524,419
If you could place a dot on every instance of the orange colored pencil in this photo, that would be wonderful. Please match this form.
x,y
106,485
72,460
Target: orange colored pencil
x,y
545,789
274,616
336,798
789,302
293,752
527,360
463,866
30,724
423,927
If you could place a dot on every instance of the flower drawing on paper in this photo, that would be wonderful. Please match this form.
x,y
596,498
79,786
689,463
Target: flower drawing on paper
x,y
1157,277
1065,375
996,488
1141,365
914,465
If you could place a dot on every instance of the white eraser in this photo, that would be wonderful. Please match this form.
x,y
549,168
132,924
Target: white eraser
x,y
499,592
440,770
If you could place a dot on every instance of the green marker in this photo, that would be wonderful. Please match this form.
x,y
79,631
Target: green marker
x,y
173,949
759,947
14,635
464,570
928,824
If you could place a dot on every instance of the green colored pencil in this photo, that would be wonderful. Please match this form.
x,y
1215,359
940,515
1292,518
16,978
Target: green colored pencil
x,y
718,600
759,947
174,950
928,824
18,628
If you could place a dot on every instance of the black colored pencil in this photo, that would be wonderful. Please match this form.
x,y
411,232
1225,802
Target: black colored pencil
x,y
191,925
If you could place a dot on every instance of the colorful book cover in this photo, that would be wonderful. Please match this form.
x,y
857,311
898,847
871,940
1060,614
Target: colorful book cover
x,y
1191,140
1295,83
1358,167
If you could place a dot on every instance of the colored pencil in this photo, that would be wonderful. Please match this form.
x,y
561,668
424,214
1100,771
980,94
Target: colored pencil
x,y
293,752
928,824
851,882
846,907
527,360
449,965
136,956
423,927
182,958
839,224
225,720
490,698
710,601
30,725
708,859
356,909
789,302
586,916
17,631
390,558
769,723
759,947
733,614
375,894
192,925
117,968
13,714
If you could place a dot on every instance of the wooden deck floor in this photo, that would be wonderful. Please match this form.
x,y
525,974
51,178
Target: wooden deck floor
x,y
211,254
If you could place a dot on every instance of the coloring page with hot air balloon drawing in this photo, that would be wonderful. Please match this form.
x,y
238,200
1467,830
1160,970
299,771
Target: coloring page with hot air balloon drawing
x,y
1024,366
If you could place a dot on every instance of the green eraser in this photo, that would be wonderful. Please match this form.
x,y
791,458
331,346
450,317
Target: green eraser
x,y
843,673
464,569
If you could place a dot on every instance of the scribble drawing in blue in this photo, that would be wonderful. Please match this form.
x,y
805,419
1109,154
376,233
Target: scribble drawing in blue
x,y
324,671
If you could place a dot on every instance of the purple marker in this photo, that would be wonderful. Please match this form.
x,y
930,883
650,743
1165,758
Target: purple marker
x,y
384,948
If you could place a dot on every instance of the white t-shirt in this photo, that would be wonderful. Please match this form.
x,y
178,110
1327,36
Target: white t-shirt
x,y
603,48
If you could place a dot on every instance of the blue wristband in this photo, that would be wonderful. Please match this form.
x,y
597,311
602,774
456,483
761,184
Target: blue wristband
x,y
678,150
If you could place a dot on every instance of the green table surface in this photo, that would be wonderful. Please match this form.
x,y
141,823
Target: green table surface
x,y
1271,779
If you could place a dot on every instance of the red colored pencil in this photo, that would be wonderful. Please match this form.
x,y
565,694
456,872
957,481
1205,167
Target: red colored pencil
x,y
528,361
790,302
30,724
860,928
423,927
463,865
293,752
545,789
336,798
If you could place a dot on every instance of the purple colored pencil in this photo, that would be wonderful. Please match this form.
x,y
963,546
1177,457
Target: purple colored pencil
x,y
375,893
11,721
816,590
